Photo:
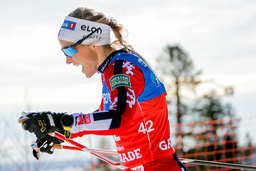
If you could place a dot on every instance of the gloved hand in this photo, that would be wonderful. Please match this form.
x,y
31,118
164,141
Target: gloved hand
x,y
42,123
44,145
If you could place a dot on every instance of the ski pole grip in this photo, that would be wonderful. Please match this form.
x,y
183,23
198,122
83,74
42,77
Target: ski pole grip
x,y
66,122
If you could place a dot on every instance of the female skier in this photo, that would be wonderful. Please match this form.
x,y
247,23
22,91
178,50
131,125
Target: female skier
x,y
133,107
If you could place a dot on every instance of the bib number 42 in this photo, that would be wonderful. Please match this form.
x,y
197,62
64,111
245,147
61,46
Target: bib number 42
x,y
147,127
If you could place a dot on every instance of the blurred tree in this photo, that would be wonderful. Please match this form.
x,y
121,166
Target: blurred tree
x,y
176,70
210,107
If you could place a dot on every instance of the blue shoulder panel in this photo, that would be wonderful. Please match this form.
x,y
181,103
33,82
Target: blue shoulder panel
x,y
153,86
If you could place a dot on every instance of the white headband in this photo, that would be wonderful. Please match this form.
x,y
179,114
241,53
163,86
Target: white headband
x,y
74,29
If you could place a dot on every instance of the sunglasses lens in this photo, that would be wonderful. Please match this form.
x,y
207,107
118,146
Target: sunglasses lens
x,y
69,51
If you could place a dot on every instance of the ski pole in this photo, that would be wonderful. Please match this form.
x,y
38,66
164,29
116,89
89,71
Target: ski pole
x,y
217,164
84,148
190,161
64,147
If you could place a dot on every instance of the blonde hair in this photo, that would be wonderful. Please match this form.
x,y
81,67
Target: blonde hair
x,y
92,15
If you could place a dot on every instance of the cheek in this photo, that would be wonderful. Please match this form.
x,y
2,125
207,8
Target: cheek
x,y
90,59
85,57
78,57
87,60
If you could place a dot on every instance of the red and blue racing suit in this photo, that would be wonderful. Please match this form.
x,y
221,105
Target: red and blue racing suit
x,y
133,110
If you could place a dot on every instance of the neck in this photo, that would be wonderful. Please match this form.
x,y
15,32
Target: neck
x,y
103,53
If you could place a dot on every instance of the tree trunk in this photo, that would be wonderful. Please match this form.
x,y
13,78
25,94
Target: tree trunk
x,y
178,100
178,115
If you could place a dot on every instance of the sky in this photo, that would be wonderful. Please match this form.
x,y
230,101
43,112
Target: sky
x,y
219,36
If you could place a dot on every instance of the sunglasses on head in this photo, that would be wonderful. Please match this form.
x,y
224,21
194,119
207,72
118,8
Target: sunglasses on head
x,y
70,50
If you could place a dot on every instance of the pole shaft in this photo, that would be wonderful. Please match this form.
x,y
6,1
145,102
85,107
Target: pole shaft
x,y
217,164
84,148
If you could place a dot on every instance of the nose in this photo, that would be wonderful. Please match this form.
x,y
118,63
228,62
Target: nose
x,y
68,60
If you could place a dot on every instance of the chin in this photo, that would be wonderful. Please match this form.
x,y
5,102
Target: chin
x,y
88,75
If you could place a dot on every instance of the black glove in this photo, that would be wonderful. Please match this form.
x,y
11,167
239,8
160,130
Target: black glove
x,y
42,123
44,145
